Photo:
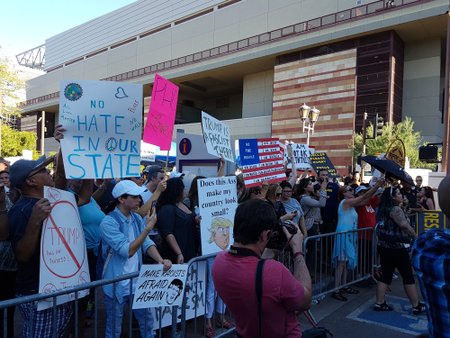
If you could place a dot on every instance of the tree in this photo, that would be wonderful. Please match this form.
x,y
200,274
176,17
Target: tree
x,y
10,86
13,141
404,131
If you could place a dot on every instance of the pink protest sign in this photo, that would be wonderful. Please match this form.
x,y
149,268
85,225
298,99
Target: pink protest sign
x,y
161,115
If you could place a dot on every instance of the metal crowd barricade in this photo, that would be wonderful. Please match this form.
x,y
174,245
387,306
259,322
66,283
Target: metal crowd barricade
x,y
319,259
166,321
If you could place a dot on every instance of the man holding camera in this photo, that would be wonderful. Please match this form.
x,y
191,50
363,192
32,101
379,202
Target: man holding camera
x,y
235,276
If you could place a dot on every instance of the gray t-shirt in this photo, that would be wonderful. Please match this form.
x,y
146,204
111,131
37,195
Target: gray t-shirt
x,y
291,205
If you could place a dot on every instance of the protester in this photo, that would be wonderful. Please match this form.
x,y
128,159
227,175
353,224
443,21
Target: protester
x,y
425,199
329,212
419,181
154,174
273,196
125,238
8,264
25,224
366,220
291,205
311,200
176,224
394,235
235,276
430,257
345,256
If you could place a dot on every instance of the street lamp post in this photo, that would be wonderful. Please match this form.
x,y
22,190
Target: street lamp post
x,y
309,117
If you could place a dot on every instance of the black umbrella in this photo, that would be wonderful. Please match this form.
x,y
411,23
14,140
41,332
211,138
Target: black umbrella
x,y
388,167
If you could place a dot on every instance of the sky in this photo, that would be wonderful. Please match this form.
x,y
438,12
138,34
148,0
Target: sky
x,y
27,24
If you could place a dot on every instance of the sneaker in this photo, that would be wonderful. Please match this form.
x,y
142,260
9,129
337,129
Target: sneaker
x,y
339,296
419,309
382,307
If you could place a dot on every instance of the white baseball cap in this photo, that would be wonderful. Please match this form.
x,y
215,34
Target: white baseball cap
x,y
360,189
175,174
127,187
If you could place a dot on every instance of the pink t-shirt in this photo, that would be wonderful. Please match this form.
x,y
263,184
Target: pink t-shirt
x,y
234,278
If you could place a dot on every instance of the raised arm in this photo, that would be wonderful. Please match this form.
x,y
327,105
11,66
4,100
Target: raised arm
x,y
363,199
60,176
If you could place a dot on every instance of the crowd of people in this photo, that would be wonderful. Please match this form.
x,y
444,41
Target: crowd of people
x,y
153,220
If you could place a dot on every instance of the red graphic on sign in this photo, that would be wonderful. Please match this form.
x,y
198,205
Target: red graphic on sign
x,y
62,253
53,195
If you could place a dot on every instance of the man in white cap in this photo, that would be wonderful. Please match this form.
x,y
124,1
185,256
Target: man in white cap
x,y
125,240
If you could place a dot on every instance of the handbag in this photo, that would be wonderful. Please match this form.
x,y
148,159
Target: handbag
x,y
388,231
315,332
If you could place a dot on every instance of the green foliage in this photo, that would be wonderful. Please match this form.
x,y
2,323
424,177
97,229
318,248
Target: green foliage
x,y
10,85
13,141
404,131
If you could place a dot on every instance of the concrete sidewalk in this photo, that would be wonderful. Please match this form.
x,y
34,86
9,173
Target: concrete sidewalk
x,y
355,317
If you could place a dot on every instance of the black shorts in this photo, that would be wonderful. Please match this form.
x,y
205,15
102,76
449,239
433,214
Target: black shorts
x,y
395,258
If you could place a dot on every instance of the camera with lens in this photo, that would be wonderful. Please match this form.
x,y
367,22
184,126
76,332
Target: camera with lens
x,y
278,239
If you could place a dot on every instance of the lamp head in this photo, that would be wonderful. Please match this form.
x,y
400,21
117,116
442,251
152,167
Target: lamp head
x,y
314,115
304,112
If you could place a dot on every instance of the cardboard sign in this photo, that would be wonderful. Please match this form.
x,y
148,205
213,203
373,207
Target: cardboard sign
x,y
161,115
156,288
397,152
430,219
301,154
217,197
63,259
216,135
320,161
261,160
195,294
103,121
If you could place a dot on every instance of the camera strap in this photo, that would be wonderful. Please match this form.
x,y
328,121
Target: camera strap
x,y
243,252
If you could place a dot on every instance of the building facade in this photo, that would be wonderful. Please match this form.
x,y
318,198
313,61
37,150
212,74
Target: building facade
x,y
253,63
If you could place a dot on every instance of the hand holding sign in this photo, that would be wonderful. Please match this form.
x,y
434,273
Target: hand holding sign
x,y
41,210
59,132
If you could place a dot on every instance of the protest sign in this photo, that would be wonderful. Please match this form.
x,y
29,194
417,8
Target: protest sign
x,y
103,122
156,288
216,135
195,294
301,154
63,259
217,199
161,115
261,160
430,219
320,161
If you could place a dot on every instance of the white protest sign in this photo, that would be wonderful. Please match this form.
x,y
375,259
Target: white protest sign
x,y
195,294
217,198
301,154
156,288
216,135
63,260
103,120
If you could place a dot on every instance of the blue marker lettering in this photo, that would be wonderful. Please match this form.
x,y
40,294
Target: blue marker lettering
x,y
120,156
105,117
78,138
133,147
91,144
94,162
124,148
108,165
81,123
135,166
69,158
101,104
93,123
117,125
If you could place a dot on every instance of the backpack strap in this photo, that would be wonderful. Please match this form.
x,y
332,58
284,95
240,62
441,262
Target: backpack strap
x,y
258,288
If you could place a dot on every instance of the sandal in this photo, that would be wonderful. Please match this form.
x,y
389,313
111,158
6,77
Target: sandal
x,y
419,309
382,307
224,323
339,296
209,332
350,290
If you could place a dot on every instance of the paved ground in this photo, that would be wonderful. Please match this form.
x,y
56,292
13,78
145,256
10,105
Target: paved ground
x,y
355,318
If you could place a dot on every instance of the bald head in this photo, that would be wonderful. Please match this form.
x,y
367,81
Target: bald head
x,y
444,195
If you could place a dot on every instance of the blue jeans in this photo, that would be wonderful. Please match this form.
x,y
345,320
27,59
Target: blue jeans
x,y
114,309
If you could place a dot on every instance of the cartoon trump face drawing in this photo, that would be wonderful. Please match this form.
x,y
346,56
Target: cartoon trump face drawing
x,y
220,232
